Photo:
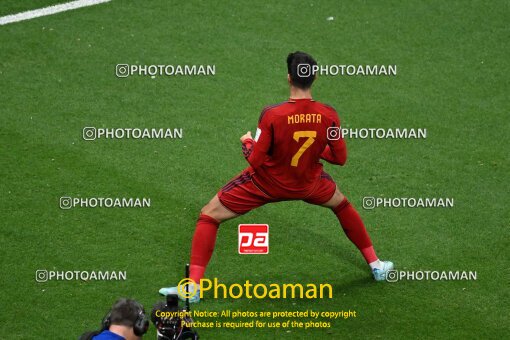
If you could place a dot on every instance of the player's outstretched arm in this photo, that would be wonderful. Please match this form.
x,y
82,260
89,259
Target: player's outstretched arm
x,y
335,153
336,150
255,152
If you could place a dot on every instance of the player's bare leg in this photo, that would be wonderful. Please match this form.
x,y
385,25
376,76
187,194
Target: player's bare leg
x,y
217,211
337,198
355,230
204,239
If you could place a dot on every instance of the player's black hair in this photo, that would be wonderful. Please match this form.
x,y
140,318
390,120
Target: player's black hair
x,y
298,71
125,312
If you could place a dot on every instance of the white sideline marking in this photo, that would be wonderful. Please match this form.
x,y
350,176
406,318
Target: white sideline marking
x,y
48,10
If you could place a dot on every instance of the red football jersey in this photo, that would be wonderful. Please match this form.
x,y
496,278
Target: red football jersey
x,y
291,139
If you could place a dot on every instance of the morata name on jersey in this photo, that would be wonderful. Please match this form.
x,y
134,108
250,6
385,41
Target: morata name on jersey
x,y
302,118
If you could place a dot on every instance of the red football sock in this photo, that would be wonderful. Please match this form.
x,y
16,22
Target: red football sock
x,y
202,246
355,229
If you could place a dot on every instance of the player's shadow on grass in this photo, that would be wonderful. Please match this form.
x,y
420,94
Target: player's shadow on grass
x,y
342,286
337,244
346,254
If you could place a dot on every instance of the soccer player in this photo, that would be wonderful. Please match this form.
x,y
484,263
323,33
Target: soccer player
x,y
284,164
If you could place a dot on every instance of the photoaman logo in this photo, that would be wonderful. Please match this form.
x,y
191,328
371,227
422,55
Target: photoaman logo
x,y
253,239
188,288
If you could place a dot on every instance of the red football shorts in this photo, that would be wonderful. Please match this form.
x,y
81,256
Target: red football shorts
x,y
242,195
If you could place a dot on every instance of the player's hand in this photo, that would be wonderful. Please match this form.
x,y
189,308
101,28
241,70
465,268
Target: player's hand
x,y
246,136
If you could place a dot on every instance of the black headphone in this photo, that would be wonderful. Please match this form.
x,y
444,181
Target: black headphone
x,y
140,326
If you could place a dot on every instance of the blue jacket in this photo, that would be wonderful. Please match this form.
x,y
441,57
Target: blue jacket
x,y
107,335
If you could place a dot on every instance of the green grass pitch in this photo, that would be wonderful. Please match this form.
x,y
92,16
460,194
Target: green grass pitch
x,y
57,77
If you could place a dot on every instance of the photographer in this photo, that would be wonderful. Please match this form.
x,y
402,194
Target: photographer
x,y
126,320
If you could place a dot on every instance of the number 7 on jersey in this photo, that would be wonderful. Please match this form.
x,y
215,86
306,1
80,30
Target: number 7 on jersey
x,y
297,136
